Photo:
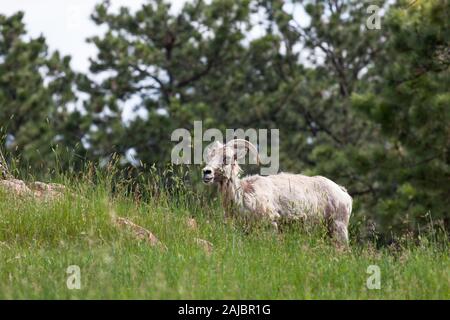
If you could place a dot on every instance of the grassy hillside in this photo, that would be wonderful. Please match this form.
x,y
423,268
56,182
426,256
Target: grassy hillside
x,y
39,240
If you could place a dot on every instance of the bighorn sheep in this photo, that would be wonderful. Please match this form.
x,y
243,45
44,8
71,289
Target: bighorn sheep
x,y
275,197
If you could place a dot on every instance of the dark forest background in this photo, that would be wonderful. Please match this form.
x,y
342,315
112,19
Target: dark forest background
x,y
368,108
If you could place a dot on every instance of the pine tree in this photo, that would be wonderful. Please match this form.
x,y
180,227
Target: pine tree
x,y
410,102
170,68
35,93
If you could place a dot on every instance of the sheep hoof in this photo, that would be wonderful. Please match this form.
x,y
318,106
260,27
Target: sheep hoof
x,y
274,226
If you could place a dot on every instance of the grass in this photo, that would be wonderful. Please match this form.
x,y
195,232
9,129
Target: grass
x,y
38,241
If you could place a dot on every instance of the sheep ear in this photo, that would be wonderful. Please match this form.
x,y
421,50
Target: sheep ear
x,y
239,151
211,150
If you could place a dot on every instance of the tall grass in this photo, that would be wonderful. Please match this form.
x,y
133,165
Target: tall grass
x,y
39,240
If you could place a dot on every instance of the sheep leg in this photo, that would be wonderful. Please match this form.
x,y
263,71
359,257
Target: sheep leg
x,y
339,232
337,218
274,225
273,217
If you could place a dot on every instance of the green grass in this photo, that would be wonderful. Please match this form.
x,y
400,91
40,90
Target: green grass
x,y
38,241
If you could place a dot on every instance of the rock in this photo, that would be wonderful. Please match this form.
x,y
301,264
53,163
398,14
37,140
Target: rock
x,y
205,245
40,190
16,187
47,191
139,232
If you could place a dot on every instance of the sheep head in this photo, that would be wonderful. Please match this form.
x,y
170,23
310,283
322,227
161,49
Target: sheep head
x,y
222,160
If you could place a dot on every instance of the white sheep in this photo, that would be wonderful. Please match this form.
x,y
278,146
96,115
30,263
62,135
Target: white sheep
x,y
282,196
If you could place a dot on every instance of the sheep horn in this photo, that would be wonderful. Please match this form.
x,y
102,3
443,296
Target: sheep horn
x,y
248,145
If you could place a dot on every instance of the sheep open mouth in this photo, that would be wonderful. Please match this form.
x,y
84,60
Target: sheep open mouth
x,y
207,179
